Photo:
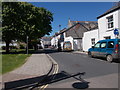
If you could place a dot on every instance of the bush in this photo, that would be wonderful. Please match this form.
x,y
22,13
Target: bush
x,y
10,47
3,47
22,46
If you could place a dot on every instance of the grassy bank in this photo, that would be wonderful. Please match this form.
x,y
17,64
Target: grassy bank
x,y
12,61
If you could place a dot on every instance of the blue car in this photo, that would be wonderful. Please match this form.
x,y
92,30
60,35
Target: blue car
x,y
109,48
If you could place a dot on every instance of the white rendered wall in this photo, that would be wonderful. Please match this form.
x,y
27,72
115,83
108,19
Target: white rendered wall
x,y
103,25
87,39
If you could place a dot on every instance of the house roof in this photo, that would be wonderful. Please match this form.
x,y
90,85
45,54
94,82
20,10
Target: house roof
x,y
114,8
89,25
74,29
79,27
46,38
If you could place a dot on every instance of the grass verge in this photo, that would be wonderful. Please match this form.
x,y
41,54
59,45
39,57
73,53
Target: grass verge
x,y
12,61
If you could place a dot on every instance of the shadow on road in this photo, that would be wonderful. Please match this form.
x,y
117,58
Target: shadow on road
x,y
80,85
33,83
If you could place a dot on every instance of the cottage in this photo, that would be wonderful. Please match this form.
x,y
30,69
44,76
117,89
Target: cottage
x,y
73,34
45,42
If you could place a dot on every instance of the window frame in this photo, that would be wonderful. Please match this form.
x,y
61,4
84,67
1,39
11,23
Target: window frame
x,y
110,22
110,47
93,41
102,43
96,44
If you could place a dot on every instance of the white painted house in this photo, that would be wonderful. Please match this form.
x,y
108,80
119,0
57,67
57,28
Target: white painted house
x,y
73,34
45,42
107,23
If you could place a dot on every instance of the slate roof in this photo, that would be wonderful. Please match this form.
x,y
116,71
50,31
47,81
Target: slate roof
x,y
46,38
114,8
79,27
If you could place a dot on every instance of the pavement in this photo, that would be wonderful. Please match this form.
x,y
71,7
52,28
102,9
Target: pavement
x,y
37,65
77,52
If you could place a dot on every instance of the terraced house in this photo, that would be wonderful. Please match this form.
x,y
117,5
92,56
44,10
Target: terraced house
x,y
74,33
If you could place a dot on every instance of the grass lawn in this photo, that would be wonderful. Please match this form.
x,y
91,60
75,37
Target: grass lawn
x,y
12,61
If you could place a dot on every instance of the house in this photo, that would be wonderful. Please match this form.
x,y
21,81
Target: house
x,y
73,34
45,42
107,23
58,38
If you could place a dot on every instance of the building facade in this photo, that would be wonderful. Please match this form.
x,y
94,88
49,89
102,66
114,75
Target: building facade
x,y
107,23
73,34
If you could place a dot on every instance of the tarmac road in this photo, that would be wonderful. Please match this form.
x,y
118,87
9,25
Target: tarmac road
x,y
98,72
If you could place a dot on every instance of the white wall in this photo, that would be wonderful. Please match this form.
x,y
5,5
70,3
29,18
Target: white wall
x,y
103,24
87,39
54,41
119,19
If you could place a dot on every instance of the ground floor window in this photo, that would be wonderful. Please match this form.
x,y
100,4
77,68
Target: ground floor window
x,y
108,37
93,41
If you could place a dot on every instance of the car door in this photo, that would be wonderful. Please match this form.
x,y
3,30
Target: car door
x,y
96,49
110,47
103,46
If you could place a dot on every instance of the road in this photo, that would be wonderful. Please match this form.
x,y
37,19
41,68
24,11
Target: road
x,y
98,73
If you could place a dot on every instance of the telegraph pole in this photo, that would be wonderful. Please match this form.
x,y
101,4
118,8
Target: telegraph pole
x,y
27,44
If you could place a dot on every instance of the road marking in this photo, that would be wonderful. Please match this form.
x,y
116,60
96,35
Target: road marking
x,y
56,68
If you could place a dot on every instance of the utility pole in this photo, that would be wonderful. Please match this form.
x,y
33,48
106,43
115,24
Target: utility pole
x,y
27,44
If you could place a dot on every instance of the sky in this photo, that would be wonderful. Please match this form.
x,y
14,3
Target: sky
x,y
76,11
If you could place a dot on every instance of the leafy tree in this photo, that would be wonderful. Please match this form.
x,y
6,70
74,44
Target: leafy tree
x,y
21,19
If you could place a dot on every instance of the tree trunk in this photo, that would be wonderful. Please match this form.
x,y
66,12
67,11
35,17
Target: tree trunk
x,y
35,47
7,46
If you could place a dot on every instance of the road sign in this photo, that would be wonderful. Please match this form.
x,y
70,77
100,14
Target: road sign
x,y
116,32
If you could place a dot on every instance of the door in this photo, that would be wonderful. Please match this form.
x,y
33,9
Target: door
x,y
103,46
96,49
110,47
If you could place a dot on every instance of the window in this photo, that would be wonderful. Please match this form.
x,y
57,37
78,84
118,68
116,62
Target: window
x,y
93,41
97,45
107,37
110,21
119,42
103,45
110,44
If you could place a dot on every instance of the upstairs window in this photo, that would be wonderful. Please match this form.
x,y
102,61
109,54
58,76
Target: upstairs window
x,y
110,22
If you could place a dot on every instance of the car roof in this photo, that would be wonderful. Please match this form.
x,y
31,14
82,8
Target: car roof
x,y
108,40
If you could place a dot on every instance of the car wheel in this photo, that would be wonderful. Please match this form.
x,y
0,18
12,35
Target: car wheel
x,y
109,58
89,54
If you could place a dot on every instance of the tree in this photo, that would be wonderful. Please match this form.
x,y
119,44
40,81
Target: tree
x,y
22,19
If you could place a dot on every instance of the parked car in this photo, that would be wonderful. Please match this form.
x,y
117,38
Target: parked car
x,y
67,46
109,48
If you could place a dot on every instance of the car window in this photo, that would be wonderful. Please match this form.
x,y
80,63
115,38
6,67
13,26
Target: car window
x,y
119,42
103,45
97,45
110,44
